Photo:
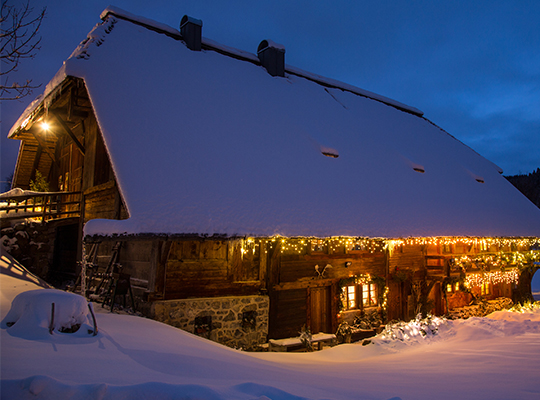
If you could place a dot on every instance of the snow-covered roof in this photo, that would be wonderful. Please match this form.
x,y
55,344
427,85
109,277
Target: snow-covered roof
x,y
207,142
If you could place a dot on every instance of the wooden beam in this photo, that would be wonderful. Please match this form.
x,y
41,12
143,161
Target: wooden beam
x,y
162,254
75,112
36,162
44,146
344,257
68,131
313,283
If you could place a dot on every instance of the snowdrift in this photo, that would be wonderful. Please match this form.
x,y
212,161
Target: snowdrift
x,y
131,357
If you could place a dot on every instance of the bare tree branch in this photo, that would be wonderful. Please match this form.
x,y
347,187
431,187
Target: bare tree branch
x,y
19,39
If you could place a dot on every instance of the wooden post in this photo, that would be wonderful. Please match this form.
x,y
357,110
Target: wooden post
x,y
162,253
51,324
263,264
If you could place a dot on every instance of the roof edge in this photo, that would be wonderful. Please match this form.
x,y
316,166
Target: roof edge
x,y
55,83
208,44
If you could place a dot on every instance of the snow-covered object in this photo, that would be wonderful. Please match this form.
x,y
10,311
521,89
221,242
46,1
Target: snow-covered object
x,y
418,329
205,143
20,192
31,313
274,45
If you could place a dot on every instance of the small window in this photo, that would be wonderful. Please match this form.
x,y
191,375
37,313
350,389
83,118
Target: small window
x,y
359,296
203,326
317,246
452,288
249,320
351,297
369,295
329,152
485,289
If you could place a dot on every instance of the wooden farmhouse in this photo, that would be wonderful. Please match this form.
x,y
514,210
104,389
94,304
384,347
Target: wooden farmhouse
x,y
246,198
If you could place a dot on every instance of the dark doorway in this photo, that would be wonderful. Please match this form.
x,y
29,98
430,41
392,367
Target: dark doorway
x,y
287,313
64,266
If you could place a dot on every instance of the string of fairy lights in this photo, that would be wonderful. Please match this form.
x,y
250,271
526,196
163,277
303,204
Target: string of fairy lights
x,y
303,245
481,243
313,245
499,260
513,253
495,277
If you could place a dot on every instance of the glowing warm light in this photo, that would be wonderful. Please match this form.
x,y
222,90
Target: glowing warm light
x,y
492,277
45,126
340,244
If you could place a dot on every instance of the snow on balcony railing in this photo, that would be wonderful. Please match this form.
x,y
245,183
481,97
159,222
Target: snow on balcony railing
x,y
20,204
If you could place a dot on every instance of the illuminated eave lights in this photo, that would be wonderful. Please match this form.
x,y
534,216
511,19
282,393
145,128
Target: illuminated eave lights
x,y
494,278
300,245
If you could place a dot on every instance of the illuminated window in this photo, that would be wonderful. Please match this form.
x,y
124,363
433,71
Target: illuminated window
x,y
485,288
317,246
452,288
369,295
351,297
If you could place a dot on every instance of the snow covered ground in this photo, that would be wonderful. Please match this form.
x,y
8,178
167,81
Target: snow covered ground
x,y
132,358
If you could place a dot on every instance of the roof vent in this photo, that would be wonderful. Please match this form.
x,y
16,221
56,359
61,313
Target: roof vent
x,y
329,152
272,56
191,30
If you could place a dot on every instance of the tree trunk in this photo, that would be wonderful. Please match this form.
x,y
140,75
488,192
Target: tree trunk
x,y
523,293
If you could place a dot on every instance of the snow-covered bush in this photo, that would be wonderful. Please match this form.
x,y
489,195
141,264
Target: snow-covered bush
x,y
527,307
418,328
344,332
368,320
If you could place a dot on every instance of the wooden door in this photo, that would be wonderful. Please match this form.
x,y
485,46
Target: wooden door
x,y
320,310
287,313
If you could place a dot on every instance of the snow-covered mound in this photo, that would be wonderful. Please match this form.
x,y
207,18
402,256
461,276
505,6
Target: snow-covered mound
x,y
36,314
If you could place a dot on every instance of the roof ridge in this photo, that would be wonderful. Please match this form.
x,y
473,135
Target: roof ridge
x,y
209,44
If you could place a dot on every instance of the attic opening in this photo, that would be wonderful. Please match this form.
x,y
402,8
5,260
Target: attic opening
x,y
329,154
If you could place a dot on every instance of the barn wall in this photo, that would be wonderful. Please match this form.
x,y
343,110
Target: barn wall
x,y
210,268
303,282
285,285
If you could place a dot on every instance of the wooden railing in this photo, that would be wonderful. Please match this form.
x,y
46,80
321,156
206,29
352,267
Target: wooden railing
x,y
45,206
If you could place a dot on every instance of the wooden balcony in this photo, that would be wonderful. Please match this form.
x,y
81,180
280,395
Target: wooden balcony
x,y
42,206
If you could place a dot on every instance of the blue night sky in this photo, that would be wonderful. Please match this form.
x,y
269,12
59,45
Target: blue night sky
x,y
472,66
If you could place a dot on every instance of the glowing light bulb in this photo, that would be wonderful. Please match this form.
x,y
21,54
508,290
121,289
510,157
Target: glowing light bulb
x,y
45,126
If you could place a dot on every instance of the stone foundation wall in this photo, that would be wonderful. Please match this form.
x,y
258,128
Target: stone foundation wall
x,y
238,322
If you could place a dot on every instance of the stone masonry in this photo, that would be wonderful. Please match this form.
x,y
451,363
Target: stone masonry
x,y
237,322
